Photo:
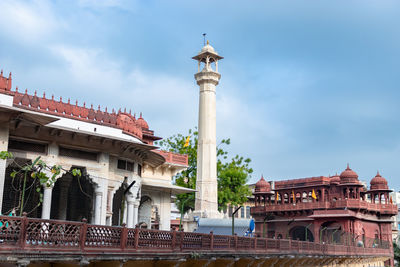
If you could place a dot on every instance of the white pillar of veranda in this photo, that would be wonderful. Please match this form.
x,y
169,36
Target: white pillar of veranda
x,y
3,163
97,209
136,213
130,210
46,206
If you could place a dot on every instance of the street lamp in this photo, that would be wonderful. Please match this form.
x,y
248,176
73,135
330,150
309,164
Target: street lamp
x,y
334,233
307,231
233,219
183,205
320,233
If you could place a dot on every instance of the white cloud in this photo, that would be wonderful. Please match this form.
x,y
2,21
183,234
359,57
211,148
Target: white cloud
x,y
27,21
99,4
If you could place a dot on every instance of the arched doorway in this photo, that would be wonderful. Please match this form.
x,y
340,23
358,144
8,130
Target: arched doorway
x,y
145,211
13,189
72,198
119,205
299,233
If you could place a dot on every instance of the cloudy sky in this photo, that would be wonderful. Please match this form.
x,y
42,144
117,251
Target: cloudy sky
x,y
306,87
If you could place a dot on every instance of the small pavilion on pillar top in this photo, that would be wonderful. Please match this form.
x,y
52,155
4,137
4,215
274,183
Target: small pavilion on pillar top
x,y
334,209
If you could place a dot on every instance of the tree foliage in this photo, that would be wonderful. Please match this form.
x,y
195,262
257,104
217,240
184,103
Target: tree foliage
x,y
232,173
396,251
39,171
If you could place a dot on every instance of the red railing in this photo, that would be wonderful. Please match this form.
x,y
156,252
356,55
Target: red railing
x,y
347,203
28,235
171,157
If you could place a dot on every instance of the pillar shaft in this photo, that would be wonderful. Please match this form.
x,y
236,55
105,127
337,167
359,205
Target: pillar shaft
x,y
136,214
131,214
46,207
97,209
3,163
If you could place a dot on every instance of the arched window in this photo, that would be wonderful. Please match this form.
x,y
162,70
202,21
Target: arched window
x,y
304,197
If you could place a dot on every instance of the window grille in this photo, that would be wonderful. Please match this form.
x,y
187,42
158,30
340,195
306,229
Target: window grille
x,y
26,146
75,153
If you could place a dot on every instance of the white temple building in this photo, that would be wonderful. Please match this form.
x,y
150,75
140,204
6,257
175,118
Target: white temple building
x,y
125,179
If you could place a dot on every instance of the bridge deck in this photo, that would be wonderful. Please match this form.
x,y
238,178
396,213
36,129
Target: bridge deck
x,y
30,237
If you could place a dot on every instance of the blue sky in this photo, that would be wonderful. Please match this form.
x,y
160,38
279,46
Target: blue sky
x,y
306,87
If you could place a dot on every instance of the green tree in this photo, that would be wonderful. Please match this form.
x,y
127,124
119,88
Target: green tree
x,y
39,171
396,251
232,173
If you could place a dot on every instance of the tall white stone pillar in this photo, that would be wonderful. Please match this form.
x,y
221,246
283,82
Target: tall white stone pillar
x,y
3,163
206,203
97,207
46,205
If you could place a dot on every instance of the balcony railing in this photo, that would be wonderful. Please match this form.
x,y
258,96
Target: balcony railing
x,y
347,203
174,158
27,235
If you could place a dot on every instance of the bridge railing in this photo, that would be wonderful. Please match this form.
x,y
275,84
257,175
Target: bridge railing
x,y
30,235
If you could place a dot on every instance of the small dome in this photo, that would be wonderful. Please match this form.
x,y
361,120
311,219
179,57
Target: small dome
x,y
262,186
142,123
348,176
378,182
335,179
207,48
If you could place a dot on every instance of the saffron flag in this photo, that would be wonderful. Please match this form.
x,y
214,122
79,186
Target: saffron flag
x,y
391,200
313,195
294,197
187,141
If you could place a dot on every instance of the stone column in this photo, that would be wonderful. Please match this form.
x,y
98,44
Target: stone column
x,y
206,203
3,163
97,207
130,211
136,213
46,206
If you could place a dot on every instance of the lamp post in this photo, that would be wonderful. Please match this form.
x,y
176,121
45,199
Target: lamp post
x,y
307,231
320,234
334,233
182,206
233,219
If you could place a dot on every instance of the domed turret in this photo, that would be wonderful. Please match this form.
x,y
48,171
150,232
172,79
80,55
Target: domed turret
x,y
142,123
335,179
262,186
348,176
379,183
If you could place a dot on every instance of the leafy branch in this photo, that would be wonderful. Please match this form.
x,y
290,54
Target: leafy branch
x,y
38,170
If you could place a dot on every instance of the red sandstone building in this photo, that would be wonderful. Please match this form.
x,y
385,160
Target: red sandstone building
x,y
336,209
